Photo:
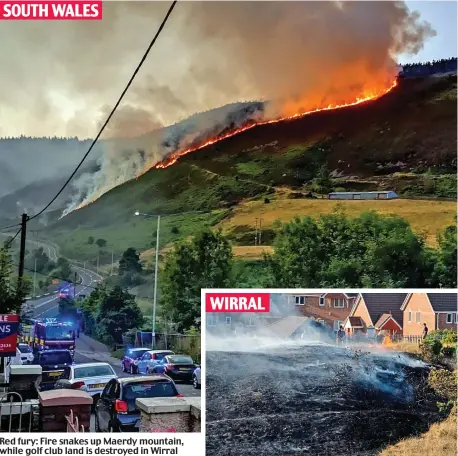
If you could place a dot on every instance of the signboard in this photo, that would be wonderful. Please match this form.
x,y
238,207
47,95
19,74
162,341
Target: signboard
x,y
9,325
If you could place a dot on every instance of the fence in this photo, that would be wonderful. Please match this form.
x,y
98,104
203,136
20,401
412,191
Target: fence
x,y
411,339
18,414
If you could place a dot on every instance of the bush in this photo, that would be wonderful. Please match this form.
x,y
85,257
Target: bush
x,y
266,200
430,349
175,230
443,382
445,336
448,351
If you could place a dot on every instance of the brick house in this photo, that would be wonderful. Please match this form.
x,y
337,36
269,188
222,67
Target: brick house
x,y
437,310
381,311
332,308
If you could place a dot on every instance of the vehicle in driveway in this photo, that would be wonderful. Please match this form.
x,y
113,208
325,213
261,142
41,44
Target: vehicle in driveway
x,y
116,410
54,364
196,380
89,377
150,359
177,367
27,356
130,359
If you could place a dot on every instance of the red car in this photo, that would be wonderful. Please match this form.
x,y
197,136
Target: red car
x,y
128,362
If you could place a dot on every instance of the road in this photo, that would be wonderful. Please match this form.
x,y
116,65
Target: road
x,y
87,349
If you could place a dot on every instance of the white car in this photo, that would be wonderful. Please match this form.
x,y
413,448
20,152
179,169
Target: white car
x,y
150,359
89,377
196,379
26,353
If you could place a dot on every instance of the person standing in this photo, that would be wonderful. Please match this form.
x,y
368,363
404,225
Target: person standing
x,y
340,336
425,330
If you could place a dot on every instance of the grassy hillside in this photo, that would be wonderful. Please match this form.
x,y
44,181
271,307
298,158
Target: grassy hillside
x,y
405,140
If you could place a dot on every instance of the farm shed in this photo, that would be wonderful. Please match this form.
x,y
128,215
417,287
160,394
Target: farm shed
x,y
382,195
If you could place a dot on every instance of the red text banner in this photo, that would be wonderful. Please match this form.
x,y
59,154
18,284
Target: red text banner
x,y
53,10
237,302
9,325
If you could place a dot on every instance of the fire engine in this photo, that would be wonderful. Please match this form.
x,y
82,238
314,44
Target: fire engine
x,y
49,334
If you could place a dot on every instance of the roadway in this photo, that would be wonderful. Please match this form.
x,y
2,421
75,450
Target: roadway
x,y
87,349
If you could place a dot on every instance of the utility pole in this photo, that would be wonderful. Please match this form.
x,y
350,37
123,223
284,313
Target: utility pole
x,y
35,279
256,233
153,339
98,256
74,286
25,219
260,231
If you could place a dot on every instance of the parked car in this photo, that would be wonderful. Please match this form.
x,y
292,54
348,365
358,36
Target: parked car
x,y
89,377
196,382
116,410
177,367
150,359
54,364
27,356
129,360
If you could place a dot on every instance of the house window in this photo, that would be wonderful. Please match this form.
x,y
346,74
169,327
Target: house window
x,y
211,320
418,317
300,300
228,320
339,303
449,319
321,301
456,318
410,317
337,325
251,322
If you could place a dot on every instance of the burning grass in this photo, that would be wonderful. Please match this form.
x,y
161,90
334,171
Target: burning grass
x,y
315,399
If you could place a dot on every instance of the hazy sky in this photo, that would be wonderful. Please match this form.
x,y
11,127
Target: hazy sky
x,y
443,17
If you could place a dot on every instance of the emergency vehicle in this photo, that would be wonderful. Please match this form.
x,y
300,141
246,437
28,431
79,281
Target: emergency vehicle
x,y
49,334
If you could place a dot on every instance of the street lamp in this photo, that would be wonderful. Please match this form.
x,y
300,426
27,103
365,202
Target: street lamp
x,y
137,213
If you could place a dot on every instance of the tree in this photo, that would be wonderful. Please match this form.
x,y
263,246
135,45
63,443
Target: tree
x,y
64,270
323,182
130,268
101,243
117,314
90,240
338,251
12,293
204,262
67,307
446,266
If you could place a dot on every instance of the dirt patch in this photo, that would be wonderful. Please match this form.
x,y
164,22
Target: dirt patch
x,y
313,400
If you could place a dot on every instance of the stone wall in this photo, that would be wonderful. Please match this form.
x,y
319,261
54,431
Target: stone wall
x,y
170,414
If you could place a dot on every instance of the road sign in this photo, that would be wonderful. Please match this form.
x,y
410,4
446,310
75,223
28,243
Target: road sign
x,y
9,325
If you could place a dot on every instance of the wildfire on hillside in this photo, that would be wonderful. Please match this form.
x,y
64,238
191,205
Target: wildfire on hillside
x,y
173,158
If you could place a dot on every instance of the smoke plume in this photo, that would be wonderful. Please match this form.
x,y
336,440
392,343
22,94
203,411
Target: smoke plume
x,y
61,78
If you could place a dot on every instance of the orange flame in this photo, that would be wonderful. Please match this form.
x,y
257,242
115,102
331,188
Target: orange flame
x,y
173,158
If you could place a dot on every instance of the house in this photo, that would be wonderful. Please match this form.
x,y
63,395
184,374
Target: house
x,y
437,310
332,308
381,311
382,195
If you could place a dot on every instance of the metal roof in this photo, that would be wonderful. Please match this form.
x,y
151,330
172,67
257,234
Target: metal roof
x,y
358,193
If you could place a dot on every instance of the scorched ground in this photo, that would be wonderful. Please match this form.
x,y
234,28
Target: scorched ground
x,y
313,400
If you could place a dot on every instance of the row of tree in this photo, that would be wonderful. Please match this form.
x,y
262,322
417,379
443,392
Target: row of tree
x,y
334,251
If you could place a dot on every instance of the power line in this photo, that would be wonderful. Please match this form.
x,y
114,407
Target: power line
x,y
10,226
7,244
113,110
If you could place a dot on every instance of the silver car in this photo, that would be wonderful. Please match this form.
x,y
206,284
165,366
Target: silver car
x,y
149,359
89,377
196,378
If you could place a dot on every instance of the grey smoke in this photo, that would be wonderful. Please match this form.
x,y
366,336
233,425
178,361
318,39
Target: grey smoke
x,y
63,77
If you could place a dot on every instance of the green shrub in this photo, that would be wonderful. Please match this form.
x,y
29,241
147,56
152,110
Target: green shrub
x,y
430,348
448,351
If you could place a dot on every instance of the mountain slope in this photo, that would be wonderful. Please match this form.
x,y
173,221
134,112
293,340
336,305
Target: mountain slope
x,y
412,128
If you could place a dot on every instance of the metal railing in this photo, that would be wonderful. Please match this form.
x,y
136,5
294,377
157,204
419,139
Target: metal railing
x,y
73,423
14,412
